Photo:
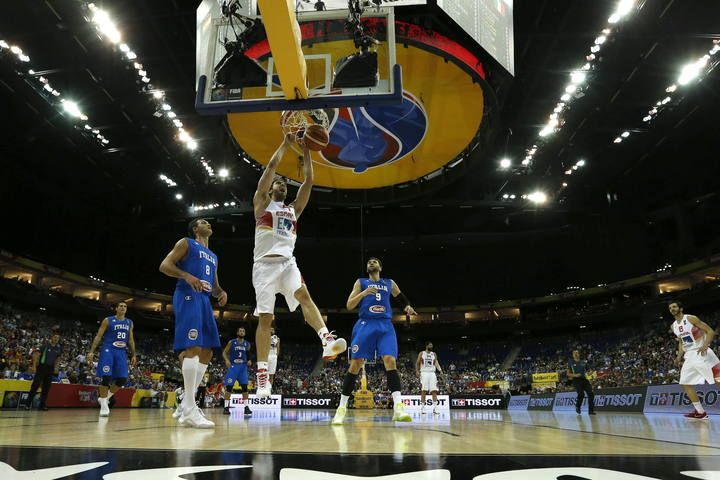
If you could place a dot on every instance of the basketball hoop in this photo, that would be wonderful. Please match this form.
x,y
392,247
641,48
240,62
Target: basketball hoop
x,y
294,123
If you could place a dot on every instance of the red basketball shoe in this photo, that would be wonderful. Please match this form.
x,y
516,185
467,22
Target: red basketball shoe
x,y
695,415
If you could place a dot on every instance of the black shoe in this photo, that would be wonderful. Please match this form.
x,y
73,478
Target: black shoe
x,y
226,411
112,401
43,408
592,413
577,411
247,410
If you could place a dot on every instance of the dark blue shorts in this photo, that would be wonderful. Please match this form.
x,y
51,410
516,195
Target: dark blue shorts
x,y
237,373
370,336
112,362
195,324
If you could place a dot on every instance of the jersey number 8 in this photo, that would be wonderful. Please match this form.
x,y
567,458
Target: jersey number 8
x,y
207,270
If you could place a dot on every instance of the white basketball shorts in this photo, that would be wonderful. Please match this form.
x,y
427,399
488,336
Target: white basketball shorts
x,y
428,381
698,369
273,275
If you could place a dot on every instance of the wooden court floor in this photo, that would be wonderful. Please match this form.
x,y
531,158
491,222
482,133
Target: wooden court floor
x,y
467,442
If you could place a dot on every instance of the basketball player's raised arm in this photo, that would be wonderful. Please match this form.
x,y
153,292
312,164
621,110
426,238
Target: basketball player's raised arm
x,y
303,195
709,333
261,199
97,339
131,344
169,265
396,293
356,295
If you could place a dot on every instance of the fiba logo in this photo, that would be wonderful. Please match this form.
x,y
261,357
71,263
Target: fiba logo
x,y
193,334
374,136
355,349
106,369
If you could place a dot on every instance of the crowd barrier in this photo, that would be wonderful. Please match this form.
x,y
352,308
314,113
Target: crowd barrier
x,y
646,399
15,392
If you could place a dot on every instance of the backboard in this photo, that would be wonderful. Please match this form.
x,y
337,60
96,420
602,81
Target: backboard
x,y
325,42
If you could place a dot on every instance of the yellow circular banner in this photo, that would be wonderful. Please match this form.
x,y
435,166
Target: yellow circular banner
x,y
386,145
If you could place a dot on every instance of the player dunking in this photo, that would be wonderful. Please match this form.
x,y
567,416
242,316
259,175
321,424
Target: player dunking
x,y
701,364
237,362
374,332
273,355
196,335
116,335
425,366
275,270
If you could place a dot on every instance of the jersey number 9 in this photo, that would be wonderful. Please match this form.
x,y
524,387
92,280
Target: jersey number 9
x,y
378,297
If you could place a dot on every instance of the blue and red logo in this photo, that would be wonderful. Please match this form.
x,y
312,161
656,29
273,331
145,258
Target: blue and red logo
x,y
368,137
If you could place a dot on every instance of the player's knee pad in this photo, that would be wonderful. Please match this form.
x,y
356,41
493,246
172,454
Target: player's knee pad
x,y
349,383
393,380
120,382
106,379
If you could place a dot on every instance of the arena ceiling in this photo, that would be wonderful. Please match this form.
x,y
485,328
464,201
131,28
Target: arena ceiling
x,y
655,184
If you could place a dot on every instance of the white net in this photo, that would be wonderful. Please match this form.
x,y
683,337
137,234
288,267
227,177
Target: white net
x,y
294,123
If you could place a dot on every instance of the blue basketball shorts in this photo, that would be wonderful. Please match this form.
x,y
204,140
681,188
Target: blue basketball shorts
x,y
112,362
195,324
237,373
370,336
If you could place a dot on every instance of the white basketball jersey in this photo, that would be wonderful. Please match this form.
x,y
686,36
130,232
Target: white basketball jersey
x,y
428,361
274,340
276,231
692,337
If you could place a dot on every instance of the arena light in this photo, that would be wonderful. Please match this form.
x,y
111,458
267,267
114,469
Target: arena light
x,y
72,108
108,30
4,44
691,71
600,40
178,196
505,163
623,8
537,197
223,173
580,163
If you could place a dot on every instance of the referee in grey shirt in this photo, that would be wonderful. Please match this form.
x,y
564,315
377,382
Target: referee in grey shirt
x,y
43,367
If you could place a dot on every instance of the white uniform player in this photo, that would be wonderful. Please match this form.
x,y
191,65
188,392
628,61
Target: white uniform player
x,y
696,369
699,362
275,270
426,365
273,355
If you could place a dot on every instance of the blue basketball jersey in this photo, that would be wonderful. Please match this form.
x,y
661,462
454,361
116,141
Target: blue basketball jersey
x,y
376,306
117,333
239,351
200,262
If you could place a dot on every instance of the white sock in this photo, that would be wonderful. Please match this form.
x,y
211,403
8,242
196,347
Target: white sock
x,y
189,370
343,400
436,403
202,368
396,398
227,403
162,404
262,365
698,407
322,333
103,401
